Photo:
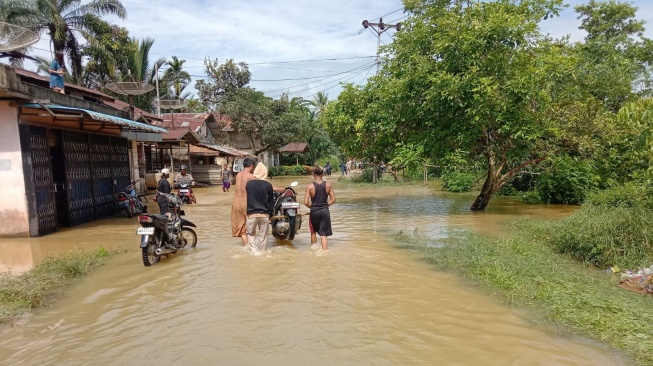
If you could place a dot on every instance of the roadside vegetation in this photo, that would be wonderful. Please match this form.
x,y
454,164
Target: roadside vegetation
x,y
36,287
557,269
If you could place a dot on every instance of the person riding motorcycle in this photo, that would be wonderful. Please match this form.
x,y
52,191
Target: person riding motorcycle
x,y
163,186
184,177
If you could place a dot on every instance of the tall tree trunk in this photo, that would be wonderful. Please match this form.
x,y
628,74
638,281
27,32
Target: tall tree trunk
x,y
482,200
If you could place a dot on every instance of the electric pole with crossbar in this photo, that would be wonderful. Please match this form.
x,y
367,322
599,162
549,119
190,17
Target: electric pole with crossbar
x,y
379,28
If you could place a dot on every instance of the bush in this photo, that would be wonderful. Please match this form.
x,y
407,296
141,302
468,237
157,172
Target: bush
x,y
366,176
292,170
628,195
605,236
455,181
566,181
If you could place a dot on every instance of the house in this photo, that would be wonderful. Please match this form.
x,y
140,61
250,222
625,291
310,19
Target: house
x,y
63,157
242,142
191,141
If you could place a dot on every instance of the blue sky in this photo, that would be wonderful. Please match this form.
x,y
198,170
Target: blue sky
x,y
263,33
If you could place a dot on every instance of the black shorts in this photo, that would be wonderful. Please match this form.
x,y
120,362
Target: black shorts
x,y
321,222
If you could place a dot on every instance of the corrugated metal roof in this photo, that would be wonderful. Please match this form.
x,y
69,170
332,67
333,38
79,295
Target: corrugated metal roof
x,y
103,118
225,149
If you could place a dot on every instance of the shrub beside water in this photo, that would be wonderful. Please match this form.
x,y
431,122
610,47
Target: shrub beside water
x,y
456,181
630,194
31,289
605,236
290,170
525,271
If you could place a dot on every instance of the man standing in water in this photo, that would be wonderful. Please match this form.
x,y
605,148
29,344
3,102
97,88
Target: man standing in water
x,y
319,196
239,205
260,203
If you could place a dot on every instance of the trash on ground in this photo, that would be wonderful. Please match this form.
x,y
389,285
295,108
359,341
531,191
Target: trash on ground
x,y
640,281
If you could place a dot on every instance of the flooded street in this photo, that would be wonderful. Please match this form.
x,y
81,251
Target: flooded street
x,y
364,302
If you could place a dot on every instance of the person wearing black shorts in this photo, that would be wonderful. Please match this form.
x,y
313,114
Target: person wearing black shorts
x,y
319,196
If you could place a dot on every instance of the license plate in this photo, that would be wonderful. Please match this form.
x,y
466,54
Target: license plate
x,y
145,231
183,191
290,204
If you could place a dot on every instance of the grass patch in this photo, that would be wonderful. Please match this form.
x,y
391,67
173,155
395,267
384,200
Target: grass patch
x,y
33,289
527,272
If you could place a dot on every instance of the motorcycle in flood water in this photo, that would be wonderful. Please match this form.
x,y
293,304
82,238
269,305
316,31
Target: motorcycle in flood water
x,y
184,192
286,220
165,234
130,202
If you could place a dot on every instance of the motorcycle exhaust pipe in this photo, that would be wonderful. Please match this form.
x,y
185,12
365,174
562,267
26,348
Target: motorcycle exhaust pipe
x,y
161,251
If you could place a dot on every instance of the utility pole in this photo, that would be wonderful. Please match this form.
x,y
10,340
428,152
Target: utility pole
x,y
379,28
158,104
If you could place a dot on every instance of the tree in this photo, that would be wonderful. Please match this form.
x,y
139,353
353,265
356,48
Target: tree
x,y
108,50
64,21
271,122
175,78
471,78
320,101
223,79
616,57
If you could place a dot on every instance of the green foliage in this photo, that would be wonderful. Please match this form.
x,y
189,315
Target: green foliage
x,y
458,181
566,181
605,236
630,194
290,170
366,176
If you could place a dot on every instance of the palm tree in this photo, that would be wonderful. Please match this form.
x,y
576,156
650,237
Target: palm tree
x,y
320,100
65,21
138,69
176,78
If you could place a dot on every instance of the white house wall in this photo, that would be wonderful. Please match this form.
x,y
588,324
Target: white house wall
x,y
13,209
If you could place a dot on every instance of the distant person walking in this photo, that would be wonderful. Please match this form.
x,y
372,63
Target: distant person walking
x,y
319,196
163,188
239,205
260,203
226,176
343,168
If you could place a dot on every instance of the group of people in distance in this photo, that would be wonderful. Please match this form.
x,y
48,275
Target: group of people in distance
x,y
253,206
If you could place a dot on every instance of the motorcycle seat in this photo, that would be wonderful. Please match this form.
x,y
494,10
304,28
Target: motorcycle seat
x,y
162,218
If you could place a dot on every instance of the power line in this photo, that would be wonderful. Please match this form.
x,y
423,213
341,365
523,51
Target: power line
x,y
333,86
317,81
344,78
386,15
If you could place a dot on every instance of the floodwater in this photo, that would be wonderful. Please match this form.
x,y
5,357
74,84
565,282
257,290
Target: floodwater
x,y
363,302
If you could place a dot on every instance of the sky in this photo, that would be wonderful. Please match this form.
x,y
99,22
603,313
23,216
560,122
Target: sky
x,y
273,36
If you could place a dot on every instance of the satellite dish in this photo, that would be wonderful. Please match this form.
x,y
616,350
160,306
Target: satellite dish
x,y
14,37
172,103
130,87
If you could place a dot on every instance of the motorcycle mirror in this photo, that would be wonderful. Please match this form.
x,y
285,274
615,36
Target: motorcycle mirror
x,y
294,184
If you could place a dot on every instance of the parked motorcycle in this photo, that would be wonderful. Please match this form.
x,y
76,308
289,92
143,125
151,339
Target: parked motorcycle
x,y
165,234
184,192
286,220
130,202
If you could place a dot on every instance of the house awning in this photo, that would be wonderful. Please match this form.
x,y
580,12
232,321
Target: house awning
x,y
127,125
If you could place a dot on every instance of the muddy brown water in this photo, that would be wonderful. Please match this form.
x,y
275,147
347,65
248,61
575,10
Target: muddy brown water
x,y
364,302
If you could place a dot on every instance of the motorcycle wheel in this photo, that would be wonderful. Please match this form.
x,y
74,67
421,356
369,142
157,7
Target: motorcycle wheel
x,y
188,237
149,255
128,211
292,222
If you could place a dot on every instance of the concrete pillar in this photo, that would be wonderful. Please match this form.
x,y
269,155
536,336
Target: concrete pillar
x,y
133,164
